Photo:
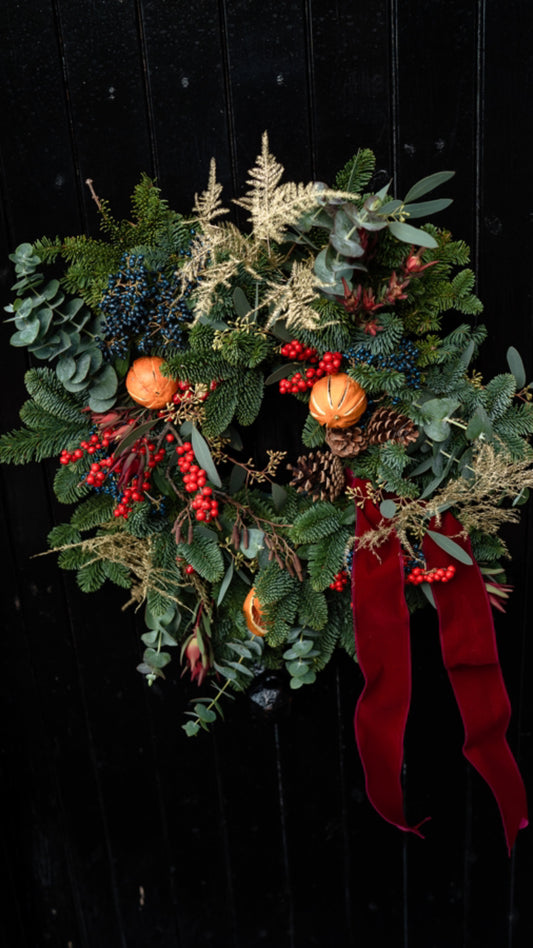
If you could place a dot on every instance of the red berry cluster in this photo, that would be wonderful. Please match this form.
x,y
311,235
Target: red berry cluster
x,y
133,468
341,580
441,575
194,478
329,364
94,444
186,392
297,352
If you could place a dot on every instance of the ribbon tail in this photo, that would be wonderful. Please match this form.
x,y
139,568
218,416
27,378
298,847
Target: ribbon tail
x,y
469,651
381,625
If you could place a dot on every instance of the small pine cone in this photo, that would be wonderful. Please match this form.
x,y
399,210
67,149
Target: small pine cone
x,y
346,442
386,424
319,474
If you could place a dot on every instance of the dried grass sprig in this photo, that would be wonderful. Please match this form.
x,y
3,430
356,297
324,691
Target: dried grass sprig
x,y
478,502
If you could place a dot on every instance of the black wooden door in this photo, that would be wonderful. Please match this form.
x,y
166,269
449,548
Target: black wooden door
x,y
117,830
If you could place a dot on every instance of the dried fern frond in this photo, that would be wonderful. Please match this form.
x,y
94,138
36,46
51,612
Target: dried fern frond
x,y
207,205
292,300
273,206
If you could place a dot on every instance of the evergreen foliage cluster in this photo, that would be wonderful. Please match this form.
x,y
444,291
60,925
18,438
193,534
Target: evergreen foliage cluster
x,y
168,501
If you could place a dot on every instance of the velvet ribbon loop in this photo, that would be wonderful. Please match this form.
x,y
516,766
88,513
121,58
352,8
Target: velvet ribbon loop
x,y
468,643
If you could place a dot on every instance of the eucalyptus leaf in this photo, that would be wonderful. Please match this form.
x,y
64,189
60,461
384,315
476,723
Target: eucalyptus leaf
x,y
236,479
348,248
438,409
387,509
240,302
203,456
156,659
27,335
106,383
279,496
427,184
66,368
255,543
280,331
83,365
282,372
516,366
225,584
479,424
451,547
390,206
437,430
422,467
428,593
467,354
411,235
298,668
205,714
101,405
425,208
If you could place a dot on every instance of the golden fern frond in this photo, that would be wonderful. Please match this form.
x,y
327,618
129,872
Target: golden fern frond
x,y
215,275
264,179
292,300
207,205
273,206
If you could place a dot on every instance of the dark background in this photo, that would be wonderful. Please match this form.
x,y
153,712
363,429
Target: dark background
x,y
117,830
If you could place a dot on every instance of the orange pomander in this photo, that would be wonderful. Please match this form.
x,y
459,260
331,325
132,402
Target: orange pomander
x,y
337,401
147,386
253,614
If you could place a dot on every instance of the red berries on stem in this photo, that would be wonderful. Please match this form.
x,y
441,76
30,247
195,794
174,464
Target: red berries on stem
x,y
341,580
329,364
419,575
194,480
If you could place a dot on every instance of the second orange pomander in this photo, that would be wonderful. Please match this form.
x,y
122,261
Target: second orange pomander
x,y
337,401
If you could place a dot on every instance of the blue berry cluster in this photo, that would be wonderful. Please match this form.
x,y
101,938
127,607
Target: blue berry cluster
x,y
403,359
142,306
418,560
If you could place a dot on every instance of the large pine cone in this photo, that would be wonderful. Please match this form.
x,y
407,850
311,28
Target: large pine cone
x,y
386,424
319,474
346,442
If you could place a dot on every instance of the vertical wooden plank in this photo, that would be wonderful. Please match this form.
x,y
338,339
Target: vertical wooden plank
x,y
352,83
505,225
436,130
35,133
267,70
108,97
185,59
437,86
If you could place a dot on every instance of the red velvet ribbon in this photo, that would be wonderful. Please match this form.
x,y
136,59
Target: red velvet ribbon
x,y
468,643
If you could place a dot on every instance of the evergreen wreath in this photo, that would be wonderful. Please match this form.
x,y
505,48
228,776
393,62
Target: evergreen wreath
x,y
166,339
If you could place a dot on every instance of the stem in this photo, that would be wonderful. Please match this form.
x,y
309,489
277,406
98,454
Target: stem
x,y
96,199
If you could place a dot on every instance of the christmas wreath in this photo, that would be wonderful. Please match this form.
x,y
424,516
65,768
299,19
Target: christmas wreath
x,y
320,314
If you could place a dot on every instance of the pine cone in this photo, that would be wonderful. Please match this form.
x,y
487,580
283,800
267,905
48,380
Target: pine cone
x,y
386,424
346,442
319,474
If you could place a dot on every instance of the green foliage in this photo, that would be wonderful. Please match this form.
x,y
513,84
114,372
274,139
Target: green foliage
x,y
91,576
52,419
357,171
326,558
204,554
61,331
320,520
97,509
